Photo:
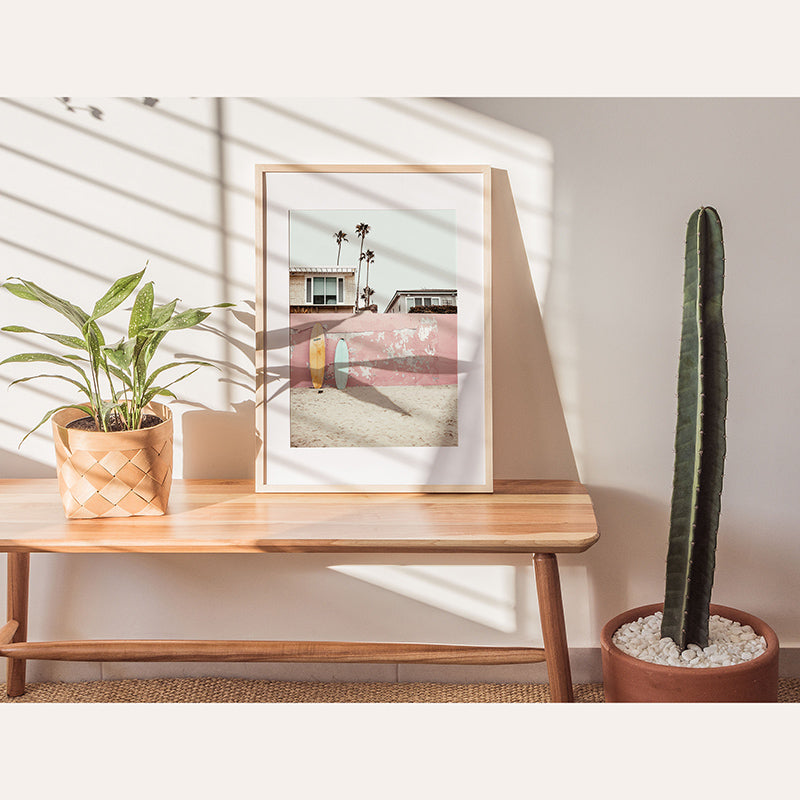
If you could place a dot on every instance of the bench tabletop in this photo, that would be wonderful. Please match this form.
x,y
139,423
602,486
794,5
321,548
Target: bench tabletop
x,y
213,516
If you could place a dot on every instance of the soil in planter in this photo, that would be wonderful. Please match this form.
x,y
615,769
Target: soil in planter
x,y
88,423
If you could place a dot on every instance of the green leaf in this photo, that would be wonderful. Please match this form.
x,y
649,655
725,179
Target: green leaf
x,y
173,365
147,340
20,291
77,316
139,363
95,328
152,391
118,293
162,313
186,319
108,410
118,373
152,345
86,390
121,353
142,310
67,341
155,391
93,341
71,357
192,372
87,409
155,334
64,361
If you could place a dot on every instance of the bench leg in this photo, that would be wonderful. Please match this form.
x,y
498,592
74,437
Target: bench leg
x,y
17,606
554,633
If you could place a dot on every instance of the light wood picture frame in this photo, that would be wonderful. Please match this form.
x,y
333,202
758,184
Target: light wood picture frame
x,y
373,328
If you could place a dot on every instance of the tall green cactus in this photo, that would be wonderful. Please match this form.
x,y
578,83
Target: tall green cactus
x,y
699,436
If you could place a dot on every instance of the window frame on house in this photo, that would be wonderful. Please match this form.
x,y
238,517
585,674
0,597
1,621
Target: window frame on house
x,y
423,301
337,294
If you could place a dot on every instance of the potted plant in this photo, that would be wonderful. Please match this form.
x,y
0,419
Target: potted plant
x,y
114,447
668,644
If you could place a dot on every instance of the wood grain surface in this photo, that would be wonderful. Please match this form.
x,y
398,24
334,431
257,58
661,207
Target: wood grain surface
x,y
210,516
7,631
554,632
273,651
18,583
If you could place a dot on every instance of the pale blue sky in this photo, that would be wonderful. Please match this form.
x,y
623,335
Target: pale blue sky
x,y
414,249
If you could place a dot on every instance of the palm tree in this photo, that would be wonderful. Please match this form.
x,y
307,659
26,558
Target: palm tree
x,y
358,279
369,257
362,229
340,237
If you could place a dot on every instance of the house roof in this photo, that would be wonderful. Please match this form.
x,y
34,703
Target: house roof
x,y
318,270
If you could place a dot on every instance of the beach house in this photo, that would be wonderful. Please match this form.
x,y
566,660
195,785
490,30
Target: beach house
x,y
442,301
314,289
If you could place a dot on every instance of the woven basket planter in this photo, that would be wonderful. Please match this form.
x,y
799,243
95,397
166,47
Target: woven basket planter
x,y
120,474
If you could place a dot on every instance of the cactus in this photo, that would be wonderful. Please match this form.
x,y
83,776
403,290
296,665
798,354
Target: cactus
x,y
699,436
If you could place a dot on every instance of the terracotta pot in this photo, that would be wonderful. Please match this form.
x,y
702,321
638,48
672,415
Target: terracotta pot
x,y
120,474
630,680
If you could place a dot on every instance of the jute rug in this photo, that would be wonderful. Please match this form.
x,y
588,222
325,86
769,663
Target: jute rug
x,y
228,690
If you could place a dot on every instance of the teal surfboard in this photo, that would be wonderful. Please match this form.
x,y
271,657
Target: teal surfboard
x,y
341,364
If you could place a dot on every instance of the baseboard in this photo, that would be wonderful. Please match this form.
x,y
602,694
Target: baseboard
x,y
585,663
789,662
585,669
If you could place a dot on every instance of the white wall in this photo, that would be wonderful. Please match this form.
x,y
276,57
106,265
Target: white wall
x,y
591,211
627,175
85,200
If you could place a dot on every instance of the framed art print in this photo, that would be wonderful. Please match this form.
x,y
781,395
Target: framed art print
x,y
373,342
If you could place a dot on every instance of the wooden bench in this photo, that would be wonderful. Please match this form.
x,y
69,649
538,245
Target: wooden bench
x,y
541,518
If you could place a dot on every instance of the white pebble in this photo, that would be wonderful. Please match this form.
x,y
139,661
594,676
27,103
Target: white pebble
x,y
729,643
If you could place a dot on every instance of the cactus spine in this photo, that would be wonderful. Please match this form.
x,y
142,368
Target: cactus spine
x,y
699,436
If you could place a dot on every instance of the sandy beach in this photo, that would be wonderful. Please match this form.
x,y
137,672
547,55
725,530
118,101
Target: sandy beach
x,y
382,416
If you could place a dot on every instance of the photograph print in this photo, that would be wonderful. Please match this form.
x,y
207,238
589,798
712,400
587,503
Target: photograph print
x,y
372,316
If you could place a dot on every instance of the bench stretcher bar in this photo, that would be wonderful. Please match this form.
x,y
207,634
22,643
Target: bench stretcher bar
x,y
284,651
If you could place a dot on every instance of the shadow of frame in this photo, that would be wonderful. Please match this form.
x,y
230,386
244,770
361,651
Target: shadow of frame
x,y
523,380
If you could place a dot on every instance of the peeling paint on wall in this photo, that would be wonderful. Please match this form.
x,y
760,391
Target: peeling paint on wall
x,y
384,349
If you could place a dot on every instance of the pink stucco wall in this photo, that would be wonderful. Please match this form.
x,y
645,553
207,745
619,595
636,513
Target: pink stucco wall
x,y
385,349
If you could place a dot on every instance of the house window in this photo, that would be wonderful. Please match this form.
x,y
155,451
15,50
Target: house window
x,y
324,291
422,301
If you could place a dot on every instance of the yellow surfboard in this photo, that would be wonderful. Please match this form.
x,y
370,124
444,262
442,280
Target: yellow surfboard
x,y
316,355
